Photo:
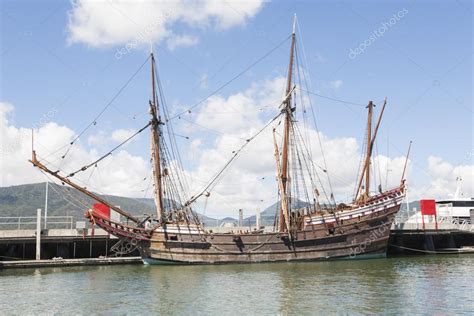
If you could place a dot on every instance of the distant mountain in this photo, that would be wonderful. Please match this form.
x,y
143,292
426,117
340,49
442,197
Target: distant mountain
x,y
403,213
414,204
267,217
23,200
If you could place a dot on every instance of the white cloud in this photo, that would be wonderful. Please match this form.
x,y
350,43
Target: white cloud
x,y
204,81
242,185
118,22
442,179
181,41
120,135
97,140
116,175
5,108
194,149
319,58
439,168
239,113
336,84
226,13
249,183
239,116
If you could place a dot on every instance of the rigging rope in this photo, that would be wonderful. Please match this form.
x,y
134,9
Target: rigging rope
x,y
317,131
173,151
94,121
213,182
62,195
76,197
379,187
311,171
231,80
359,174
316,173
210,129
109,153
331,98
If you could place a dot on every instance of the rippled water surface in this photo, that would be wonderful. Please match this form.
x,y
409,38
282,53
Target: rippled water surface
x,y
431,284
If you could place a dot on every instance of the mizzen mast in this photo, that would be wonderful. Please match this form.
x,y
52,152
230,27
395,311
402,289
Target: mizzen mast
x,y
284,217
369,149
363,196
155,145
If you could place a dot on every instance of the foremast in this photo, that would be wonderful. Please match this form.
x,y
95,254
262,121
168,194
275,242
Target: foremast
x,y
282,166
158,160
155,145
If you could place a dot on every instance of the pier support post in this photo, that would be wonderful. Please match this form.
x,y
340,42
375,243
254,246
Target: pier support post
x,y
257,219
38,234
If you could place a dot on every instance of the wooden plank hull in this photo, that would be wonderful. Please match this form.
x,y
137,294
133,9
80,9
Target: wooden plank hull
x,y
360,236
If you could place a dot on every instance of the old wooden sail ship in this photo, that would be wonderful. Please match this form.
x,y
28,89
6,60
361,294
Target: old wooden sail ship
x,y
316,231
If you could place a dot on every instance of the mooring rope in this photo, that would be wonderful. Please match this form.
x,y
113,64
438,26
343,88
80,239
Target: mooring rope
x,y
424,251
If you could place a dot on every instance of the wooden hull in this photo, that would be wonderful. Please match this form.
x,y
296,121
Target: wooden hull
x,y
354,237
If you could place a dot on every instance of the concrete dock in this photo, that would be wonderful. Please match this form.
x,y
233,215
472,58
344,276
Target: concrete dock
x,y
441,238
21,244
69,262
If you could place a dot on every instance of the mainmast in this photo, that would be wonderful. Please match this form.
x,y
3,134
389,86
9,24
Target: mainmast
x,y
155,145
283,167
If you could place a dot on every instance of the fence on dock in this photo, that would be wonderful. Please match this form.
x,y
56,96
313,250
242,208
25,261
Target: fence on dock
x,y
29,222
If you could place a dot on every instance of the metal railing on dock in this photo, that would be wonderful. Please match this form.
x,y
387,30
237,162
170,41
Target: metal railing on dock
x,y
29,222
443,223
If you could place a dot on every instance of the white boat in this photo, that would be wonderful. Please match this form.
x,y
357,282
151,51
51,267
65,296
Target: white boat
x,y
458,209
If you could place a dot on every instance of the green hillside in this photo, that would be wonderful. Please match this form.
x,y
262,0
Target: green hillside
x,y
23,200
267,217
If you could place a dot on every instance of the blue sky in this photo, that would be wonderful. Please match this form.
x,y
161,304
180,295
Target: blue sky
x,y
423,64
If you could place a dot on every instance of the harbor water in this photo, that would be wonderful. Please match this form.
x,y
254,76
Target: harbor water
x,y
401,285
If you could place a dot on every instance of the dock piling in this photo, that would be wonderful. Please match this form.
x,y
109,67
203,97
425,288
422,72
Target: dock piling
x,y
38,234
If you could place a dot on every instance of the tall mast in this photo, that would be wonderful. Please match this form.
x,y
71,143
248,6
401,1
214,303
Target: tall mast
x,y
284,210
369,149
370,146
406,163
284,218
155,145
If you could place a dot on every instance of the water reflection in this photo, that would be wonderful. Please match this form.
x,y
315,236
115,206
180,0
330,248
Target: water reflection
x,y
441,284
